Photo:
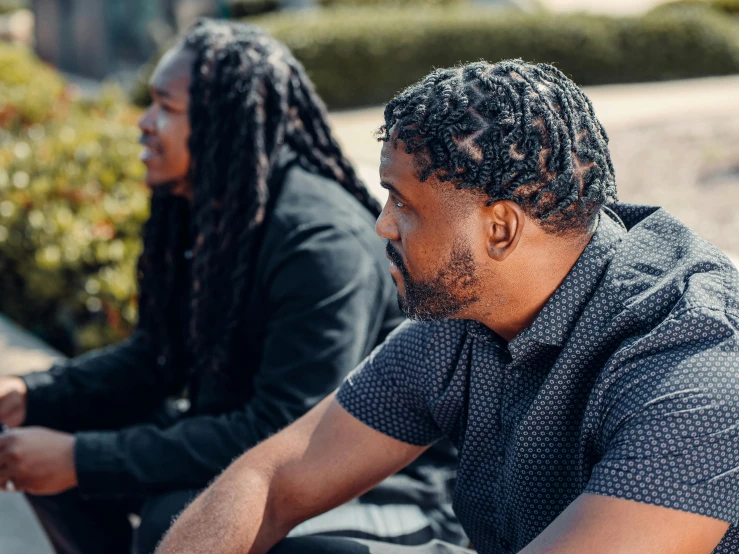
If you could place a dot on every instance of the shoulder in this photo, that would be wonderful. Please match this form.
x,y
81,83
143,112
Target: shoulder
x,y
307,198
690,361
396,388
420,339
319,229
420,353
662,266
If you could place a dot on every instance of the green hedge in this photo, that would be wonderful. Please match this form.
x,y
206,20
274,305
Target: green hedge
x,y
364,56
249,8
384,3
8,6
29,90
725,6
72,202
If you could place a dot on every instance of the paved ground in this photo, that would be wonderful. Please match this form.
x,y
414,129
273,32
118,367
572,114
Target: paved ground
x,y
674,144
611,7
19,531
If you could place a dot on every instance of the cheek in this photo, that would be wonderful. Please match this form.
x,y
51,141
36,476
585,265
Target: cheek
x,y
174,132
420,246
163,121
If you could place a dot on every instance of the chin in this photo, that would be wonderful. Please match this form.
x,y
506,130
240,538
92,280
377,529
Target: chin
x,y
154,181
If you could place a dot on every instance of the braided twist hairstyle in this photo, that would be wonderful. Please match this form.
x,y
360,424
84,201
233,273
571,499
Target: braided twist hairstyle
x,y
513,130
248,97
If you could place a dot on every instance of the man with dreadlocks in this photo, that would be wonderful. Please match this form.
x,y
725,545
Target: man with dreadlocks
x,y
582,354
287,292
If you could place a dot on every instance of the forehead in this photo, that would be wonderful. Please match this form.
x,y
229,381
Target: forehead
x,y
172,73
397,165
402,171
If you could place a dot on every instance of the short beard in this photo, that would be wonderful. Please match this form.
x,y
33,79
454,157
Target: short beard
x,y
452,289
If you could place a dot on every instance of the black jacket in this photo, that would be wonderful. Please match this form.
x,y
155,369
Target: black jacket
x,y
323,298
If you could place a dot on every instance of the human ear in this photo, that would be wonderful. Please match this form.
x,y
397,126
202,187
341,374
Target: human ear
x,y
505,221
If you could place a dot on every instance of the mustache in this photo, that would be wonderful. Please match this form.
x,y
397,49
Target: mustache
x,y
397,259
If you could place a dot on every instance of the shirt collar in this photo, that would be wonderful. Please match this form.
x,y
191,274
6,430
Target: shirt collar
x,y
557,319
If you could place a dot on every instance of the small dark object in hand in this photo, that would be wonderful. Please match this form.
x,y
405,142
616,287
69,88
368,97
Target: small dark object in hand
x,y
3,428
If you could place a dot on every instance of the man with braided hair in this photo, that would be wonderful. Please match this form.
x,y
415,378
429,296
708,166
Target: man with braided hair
x,y
582,354
262,285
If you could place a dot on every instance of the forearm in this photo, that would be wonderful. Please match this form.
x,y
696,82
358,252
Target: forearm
x,y
233,516
95,390
127,463
321,461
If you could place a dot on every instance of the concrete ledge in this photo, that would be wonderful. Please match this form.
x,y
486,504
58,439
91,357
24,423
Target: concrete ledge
x,y
20,532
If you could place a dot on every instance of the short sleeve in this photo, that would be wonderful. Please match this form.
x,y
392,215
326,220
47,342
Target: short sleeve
x,y
386,391
671,430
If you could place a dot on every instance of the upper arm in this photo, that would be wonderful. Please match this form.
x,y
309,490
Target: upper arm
x,y
607,525
666,479
324,459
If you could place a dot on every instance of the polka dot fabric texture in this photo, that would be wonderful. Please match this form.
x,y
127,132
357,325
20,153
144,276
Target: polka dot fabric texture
x,y
625,385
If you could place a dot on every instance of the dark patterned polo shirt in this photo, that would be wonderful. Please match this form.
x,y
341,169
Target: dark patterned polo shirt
x,y
625,385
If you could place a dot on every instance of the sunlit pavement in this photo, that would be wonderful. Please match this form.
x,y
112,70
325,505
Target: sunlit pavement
x,y
19,531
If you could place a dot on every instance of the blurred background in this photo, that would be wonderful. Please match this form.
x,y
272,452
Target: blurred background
x,y
663,76
73,79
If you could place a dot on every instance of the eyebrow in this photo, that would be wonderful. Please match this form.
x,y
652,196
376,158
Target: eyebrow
x,y
391,188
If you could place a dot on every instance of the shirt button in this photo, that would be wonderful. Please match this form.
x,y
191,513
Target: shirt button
x,y
501,457
188,254
161,360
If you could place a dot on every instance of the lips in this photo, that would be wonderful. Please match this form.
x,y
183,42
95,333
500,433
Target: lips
x,y
396,261
149,152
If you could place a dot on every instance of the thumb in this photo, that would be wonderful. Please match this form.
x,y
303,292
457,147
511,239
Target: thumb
x,y
11,413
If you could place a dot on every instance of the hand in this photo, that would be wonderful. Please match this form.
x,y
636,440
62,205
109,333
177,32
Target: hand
x,y
13,394
37,460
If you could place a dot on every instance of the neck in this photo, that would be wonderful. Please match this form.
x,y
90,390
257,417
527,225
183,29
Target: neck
x,y
179,187
531,276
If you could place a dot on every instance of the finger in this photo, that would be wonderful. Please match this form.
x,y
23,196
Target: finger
x,y
6,439
8,407
5,477
13,418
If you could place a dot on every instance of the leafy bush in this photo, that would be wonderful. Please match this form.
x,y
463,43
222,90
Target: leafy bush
x,y
364,56
8,6
72,203
726,6
248,8
29,89
418,3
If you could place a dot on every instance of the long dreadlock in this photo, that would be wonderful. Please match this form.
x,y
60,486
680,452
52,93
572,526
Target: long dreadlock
x,y
515,131
248,97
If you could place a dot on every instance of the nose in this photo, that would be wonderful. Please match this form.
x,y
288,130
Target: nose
x,y
386,226
146,121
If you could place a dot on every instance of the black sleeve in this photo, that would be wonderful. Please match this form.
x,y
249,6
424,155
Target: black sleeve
x,y
107,388
325,303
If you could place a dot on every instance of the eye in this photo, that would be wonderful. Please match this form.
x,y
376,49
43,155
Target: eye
x,y
397,203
